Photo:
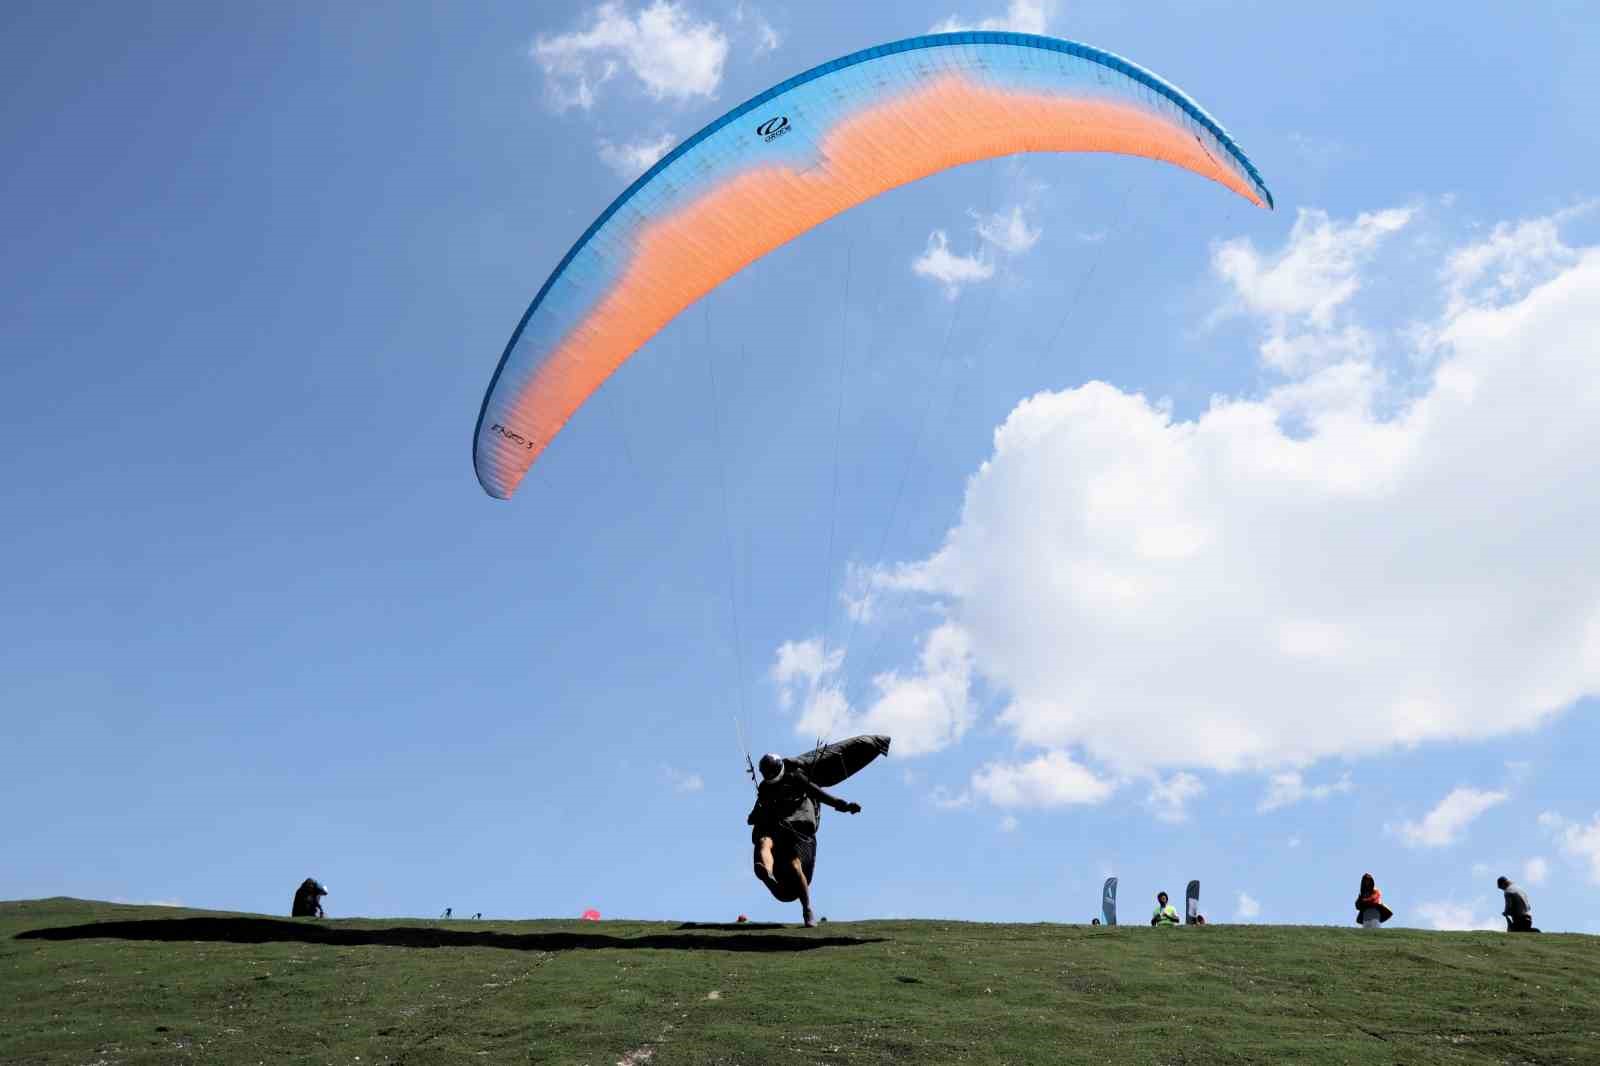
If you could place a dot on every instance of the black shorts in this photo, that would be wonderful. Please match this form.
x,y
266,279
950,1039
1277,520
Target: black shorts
x,y
786,844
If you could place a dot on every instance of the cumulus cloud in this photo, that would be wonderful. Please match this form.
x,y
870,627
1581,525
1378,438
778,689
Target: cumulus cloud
x,y
1051,780
1248,908
1300,291
1022,16
633,158
1401,569
1288,788
1535,870
1576,840
925,710
671,54
1449,915
953,271
1169,798
1444,825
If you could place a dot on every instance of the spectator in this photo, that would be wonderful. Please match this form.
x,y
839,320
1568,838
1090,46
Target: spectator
x,y
1166,913
1518,912
1370,910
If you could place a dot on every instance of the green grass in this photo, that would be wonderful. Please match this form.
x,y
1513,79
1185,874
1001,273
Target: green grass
x,y
163,985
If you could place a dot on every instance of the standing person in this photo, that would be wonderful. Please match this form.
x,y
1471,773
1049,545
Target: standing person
x,y
1166,913
1370,910
1518,912
784,830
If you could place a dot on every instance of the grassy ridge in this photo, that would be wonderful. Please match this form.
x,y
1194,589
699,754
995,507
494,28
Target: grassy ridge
x,y
161,985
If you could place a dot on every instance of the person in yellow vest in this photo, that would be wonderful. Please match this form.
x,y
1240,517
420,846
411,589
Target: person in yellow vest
x,y
1166,913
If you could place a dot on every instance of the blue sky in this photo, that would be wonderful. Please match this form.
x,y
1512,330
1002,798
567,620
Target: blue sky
x,y
1171,538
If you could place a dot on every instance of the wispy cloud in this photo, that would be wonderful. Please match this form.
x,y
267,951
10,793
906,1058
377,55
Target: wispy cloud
x,y
756,27
1169,799
925,709
670,53
633,158
682,781
1007,231
952,271
1449,819
1021,16
1248,907
1576,840
1450,915
1288,788
1511,260
1301,290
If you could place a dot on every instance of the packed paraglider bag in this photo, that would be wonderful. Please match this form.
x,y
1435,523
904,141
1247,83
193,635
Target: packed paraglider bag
x,y
308,900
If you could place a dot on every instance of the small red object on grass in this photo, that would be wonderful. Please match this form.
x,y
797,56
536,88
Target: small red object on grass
x,y
591,915
742,918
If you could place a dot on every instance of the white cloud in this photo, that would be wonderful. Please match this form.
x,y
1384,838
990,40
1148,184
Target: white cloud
x,y
633,158
1318,270
1514,257
682,781
760,31
1535,870
1288,788
1449,915
670,53
1444,825
925,711
946,800
953,271
1009,824
1248,907
1169,799
1300,291
1221,593
1022,16
1051,780
1294,842
1576,840
1007,231
1319,152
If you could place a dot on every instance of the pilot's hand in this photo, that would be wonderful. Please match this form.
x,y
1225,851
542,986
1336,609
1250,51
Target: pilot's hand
x,y
852,808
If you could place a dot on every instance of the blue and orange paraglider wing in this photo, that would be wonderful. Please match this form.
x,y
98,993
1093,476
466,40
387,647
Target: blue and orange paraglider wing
x,y
795,156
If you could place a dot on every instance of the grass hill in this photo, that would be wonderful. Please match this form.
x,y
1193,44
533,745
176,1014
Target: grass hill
x,y
95,983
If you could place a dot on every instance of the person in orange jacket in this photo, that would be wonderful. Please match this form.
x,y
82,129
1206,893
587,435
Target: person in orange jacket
x,y
1370,911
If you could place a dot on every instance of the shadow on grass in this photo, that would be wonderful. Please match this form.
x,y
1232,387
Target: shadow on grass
x,y
731,927
279,931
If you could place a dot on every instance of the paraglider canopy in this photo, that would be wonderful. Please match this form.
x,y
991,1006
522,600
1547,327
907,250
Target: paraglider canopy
x,y
795,156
